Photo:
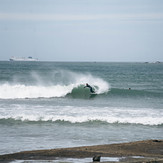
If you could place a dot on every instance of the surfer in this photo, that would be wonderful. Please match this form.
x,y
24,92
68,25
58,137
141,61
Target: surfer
x,y
91,89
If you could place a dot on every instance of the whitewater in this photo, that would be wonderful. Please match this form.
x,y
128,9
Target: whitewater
x,y
41,89
44,105
144,116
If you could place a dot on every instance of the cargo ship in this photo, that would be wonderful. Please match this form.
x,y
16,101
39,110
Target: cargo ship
x,y
22,59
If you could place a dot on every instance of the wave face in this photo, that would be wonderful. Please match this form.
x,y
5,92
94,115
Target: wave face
x,y
135,93
54,84
82,115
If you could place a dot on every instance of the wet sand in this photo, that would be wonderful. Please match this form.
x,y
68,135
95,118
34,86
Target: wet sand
x,y
150,150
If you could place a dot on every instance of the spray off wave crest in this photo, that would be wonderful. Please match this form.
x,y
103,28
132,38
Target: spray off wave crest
x,y
56,84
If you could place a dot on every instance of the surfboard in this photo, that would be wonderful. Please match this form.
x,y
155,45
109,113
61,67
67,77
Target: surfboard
x,y
93,93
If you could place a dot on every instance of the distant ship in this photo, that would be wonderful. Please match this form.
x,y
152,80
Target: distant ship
x,y
23,59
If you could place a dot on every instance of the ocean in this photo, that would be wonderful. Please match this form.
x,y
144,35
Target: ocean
x,y
44,105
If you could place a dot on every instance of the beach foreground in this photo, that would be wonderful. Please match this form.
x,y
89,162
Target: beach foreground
x,y
148,150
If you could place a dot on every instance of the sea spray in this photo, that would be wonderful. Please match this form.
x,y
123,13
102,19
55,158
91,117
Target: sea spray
x,y
62,83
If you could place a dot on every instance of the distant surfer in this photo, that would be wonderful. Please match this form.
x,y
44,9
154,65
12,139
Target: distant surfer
x,y
91,89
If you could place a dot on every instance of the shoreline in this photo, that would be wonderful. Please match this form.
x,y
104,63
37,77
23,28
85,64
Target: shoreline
x,y
148,150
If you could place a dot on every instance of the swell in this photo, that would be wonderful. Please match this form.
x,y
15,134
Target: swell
x,y
134,93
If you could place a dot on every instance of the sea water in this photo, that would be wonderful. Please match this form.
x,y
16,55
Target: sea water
x,y
44,105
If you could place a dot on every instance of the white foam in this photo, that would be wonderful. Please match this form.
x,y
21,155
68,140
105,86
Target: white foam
x,y
46,89
72,114
99,84
22,91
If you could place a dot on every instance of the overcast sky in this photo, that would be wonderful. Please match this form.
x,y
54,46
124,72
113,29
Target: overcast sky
x,y
82,30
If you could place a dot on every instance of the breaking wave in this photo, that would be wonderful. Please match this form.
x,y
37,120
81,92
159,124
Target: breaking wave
x,y
81,115
61,120
61,84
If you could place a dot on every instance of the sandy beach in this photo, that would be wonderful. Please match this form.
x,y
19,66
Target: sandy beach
x,y
148,150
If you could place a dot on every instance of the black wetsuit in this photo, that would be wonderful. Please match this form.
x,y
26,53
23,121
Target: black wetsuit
x,y
91,89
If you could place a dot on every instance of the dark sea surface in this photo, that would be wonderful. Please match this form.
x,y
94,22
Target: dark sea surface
x,y
44,105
